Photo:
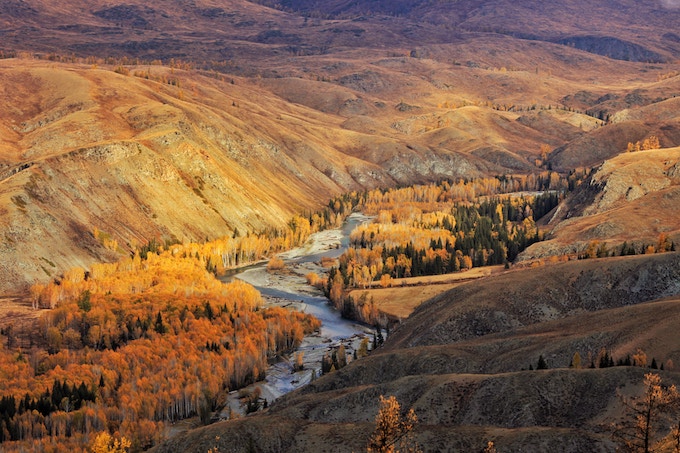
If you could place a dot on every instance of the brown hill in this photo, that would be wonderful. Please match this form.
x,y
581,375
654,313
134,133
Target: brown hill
x,y
461,361
87,147
631,198
330,102
140,159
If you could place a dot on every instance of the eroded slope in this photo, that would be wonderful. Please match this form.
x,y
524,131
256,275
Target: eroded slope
x,y
469,385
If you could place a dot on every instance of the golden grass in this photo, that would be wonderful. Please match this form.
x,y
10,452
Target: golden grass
x,y
401,301
406,294
473,273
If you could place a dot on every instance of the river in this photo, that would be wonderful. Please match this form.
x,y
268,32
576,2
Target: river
x,y
290,289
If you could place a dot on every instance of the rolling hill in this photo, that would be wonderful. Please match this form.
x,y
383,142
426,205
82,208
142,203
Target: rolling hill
x,y
92,142
462,362
197,119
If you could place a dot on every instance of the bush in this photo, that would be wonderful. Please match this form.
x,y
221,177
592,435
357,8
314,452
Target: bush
x,y
275,264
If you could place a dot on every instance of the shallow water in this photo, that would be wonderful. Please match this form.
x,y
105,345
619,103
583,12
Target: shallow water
x,y
291,289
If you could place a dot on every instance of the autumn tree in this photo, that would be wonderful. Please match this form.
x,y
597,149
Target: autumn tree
x,y
646,416
651,142
640,358
490,448
105,443
275,264
363,348
393,432
299,364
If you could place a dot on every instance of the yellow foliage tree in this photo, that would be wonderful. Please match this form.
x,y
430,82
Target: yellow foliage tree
x,y
646,417
105,443
393,433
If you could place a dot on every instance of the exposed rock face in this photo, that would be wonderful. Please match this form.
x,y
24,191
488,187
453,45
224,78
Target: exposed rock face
x,y
633,198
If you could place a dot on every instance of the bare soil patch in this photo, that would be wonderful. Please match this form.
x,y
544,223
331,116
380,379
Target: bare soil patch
x,y
17,314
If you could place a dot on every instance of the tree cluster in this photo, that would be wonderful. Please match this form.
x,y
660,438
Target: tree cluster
x,y
599,249
146,341
651,142
431,230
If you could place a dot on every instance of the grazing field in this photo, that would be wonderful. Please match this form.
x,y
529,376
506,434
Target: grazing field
x,y
399,300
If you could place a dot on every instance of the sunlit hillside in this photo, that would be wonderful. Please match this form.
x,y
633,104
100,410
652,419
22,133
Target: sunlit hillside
x,y
630,201
149,151
146,147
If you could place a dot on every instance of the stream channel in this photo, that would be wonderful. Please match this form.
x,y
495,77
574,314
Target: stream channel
x,y
290,289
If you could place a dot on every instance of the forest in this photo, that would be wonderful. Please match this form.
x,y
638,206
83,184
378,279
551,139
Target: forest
x,y
440,228
127,363
124,348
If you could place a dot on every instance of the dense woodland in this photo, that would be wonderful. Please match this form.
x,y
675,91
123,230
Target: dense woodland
x,y
129,362
441,228
152,338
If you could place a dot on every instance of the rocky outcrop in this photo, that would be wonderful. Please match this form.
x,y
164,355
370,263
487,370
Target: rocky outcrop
x,y
631,198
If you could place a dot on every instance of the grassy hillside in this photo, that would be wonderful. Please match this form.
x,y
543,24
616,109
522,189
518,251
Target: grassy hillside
x,y
462,360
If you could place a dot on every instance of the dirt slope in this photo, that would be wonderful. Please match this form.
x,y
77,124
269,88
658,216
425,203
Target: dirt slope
x,y
470,385
631,198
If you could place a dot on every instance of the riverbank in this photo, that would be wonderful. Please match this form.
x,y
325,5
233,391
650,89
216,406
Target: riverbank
x,y
289,288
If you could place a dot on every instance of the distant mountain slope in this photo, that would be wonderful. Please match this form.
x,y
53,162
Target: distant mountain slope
x,y
569,23
232,29
631,198
327,97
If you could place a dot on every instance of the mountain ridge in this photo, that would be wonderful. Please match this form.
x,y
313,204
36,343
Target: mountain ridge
x,y
417,105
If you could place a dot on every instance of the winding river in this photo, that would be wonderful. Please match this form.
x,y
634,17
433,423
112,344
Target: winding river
x,y
291,289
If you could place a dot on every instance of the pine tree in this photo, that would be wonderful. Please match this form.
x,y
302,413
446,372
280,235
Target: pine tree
x,y
159,327
541,365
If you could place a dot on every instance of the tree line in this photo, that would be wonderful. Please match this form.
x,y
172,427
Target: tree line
x,y
435,229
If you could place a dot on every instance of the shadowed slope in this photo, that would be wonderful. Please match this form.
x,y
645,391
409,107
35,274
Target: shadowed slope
x,y
468,386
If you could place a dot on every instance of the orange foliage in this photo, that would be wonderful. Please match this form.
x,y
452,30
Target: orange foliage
x,y
157,338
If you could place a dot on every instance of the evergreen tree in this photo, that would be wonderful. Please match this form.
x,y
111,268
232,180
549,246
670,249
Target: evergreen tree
x,y
541,365
159,327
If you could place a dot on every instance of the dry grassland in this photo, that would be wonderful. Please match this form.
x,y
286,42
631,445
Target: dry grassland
x,y
405,294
